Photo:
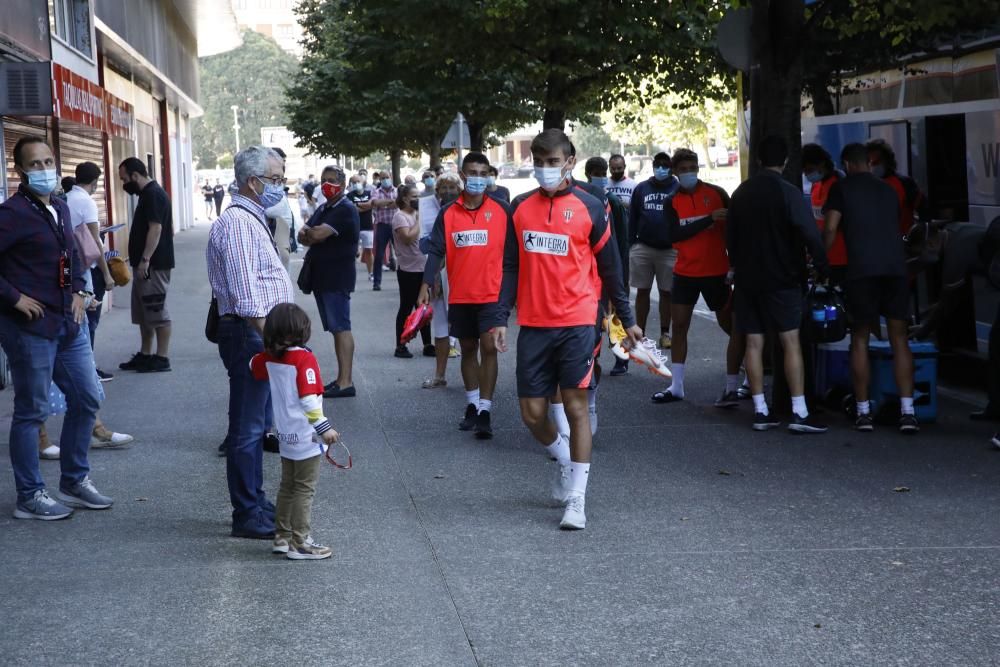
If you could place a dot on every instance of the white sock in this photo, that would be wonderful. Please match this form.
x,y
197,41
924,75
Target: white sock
x,y
864,407
760,404
559,450
578,474
799,406
485,405
732,382
472,397
677,386
906,405
557,413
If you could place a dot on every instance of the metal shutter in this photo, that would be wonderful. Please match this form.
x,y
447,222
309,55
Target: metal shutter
x,y
13,130
83,146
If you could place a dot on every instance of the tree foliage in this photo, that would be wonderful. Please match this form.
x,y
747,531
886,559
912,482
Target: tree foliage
x,y
250,77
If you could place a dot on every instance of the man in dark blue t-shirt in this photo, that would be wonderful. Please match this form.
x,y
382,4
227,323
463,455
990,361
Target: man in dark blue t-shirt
x,y
332,236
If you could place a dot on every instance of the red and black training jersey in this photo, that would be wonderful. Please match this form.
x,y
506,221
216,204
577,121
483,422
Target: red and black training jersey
x,y
557,248
472,243
837,254
704,253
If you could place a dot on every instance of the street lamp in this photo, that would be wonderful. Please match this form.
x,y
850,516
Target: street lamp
x,y
236,126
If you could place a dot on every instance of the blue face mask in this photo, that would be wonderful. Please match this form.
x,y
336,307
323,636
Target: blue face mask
x,y
661,173
599,181
549,178
386,183
688,181
491,181
814,176
428,183
272,195
475,185
43,182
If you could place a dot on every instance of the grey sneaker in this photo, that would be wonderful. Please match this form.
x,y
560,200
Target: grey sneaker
x,y
574,517
308,550
84,495
560,484
41,506
280,545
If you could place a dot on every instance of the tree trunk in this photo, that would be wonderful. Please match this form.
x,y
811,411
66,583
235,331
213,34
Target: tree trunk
x,y
396,156
822,101
477,132
434,151
776,79
554,117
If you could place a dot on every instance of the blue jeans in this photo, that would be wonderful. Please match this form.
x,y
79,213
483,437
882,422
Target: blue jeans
x,y
35,363
383,237
239,341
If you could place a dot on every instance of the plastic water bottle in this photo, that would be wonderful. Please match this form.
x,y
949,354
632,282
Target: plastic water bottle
x,y
819,314
831,313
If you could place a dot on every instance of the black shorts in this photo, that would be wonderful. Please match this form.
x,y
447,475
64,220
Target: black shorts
x,y
553,358
758,312
472,320
687,290
888,296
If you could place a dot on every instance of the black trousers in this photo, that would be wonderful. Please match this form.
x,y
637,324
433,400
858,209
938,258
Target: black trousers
x,y
409,290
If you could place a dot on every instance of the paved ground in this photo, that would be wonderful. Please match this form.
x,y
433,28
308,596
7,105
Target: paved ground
x,y
706,543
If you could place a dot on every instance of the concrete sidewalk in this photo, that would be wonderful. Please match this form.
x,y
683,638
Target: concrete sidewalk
x,y
706,543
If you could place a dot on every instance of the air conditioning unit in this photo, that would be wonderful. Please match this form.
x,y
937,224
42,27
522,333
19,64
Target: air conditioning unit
x,y
26,89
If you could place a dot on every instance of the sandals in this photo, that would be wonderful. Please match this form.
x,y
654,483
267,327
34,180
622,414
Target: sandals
x,y
434,383
665,397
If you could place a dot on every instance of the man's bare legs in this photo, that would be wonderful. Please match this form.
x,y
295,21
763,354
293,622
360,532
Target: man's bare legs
x,y
343,347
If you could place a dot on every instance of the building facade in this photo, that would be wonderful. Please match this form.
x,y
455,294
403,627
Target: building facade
x,y
103,80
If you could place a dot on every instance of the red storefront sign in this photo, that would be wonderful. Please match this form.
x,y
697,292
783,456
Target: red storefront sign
x,y
79,100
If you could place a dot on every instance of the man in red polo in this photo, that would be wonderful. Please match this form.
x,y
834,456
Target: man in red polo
x,y
558,243
469,234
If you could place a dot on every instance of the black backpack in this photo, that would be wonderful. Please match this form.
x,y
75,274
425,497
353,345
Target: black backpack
x,y
826,315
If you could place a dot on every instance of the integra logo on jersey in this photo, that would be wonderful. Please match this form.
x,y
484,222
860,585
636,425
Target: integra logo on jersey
x,y
478,237
545,243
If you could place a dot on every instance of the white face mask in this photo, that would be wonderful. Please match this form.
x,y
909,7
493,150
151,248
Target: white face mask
x,y
549,178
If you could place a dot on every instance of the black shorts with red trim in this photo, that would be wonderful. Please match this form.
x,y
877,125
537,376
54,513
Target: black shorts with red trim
x,y
714,288
472,320
552,358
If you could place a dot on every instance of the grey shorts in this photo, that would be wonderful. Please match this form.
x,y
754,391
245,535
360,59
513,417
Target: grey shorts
x,y
149,298
646,263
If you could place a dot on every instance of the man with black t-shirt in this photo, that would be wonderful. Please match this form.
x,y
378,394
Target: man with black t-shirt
x,y
151,254
361,197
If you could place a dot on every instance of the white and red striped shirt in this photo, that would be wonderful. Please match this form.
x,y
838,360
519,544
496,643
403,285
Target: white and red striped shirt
x,y
244,270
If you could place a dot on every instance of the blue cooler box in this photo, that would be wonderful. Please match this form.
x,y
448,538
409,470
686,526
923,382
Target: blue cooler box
x,y
833,367
883,383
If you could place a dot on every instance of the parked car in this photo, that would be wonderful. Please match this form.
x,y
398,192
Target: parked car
x,y
527,168
507,170
720,156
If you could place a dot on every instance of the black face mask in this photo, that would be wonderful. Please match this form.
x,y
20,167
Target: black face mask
x,y
131,187
414,204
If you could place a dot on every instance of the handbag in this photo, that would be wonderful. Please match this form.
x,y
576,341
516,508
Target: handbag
x,y
86,245
827,315
212,321
305,280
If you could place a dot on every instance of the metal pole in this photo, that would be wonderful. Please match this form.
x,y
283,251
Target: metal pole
x,y
236,126
458,141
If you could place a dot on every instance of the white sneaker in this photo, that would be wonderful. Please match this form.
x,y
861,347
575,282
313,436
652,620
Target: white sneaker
x,y
574,517
646,354
50,453
560,483
110,440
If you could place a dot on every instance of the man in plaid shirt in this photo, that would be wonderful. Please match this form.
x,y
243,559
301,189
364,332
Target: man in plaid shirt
x,y
248,280
383,208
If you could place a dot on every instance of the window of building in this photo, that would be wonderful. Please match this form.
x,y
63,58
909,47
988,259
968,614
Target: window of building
x,y
285,31
72,24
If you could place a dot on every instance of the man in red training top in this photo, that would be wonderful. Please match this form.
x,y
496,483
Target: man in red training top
x,y
469,235
558,243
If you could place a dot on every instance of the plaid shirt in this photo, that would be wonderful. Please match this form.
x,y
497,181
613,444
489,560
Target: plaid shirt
x,y
244,269
30,255
383,216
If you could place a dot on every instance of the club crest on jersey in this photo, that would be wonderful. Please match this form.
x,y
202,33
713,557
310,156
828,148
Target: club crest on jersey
x,y
544,243
488,215
567,215
479,237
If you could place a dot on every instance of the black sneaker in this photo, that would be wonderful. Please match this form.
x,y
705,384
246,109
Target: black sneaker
x,y
621,367
224,447
104,377
429,351
336,391
154,364
483,429
270,443
376,288
864,423
908,425
402,352
806,424
762,422
469,422
729,399
137,361
995,440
